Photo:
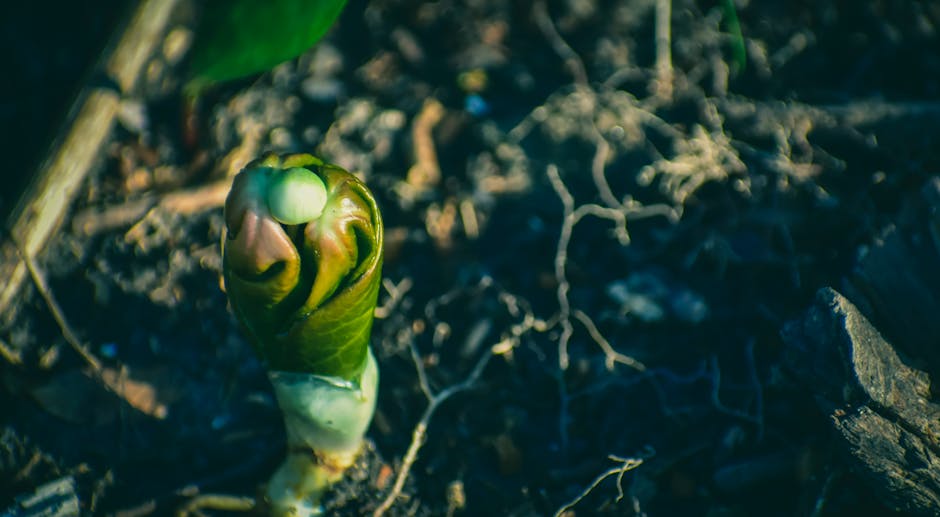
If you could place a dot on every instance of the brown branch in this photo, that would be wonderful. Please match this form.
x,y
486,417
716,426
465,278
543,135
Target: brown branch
x,y
425,174
626,465
186,202
67,332
43,206
421,428
139,395
559,45
12,356
220,502
662,84
612,355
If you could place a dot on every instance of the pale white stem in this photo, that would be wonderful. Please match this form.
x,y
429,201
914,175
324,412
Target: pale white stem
x,y
326,419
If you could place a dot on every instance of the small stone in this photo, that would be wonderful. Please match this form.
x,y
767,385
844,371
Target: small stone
x,y
108,350
311,135
176,44
689,307
476,105
132,114
281,138
321,89
392,119
327,61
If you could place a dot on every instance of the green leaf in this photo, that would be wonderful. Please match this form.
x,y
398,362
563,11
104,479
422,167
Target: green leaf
x,y
738,49
305,292
237,38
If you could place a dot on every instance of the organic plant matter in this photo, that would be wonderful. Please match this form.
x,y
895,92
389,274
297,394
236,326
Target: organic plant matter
x,y
302,264
237,38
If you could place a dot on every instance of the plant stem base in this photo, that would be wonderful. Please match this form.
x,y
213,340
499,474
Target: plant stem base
x,y
298,486
326,419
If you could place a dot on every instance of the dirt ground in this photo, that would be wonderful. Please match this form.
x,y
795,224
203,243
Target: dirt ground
x,y
595,241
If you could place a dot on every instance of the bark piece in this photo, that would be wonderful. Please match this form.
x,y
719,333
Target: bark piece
x,y
54,499
879,405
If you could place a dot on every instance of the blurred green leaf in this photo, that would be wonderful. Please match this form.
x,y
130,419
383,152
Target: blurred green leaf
x,y
237,38
738,49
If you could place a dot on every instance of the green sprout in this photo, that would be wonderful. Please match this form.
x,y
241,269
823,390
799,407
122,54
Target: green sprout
x,y
738,49
302,261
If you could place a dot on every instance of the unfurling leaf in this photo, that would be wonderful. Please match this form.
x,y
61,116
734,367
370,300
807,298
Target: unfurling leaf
x,y
302,263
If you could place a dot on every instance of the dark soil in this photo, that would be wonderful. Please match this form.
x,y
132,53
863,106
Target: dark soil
x,y
757,182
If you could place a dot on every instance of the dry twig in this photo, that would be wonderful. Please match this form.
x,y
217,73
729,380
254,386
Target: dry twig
x,y
396,292
221,502
420,430
517,308
572,215
185,202
139,395
612,356
559,45
425,174
13,357
70,336
662,85
626,465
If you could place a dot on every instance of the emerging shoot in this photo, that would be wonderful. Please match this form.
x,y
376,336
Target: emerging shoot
x,y
302,263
